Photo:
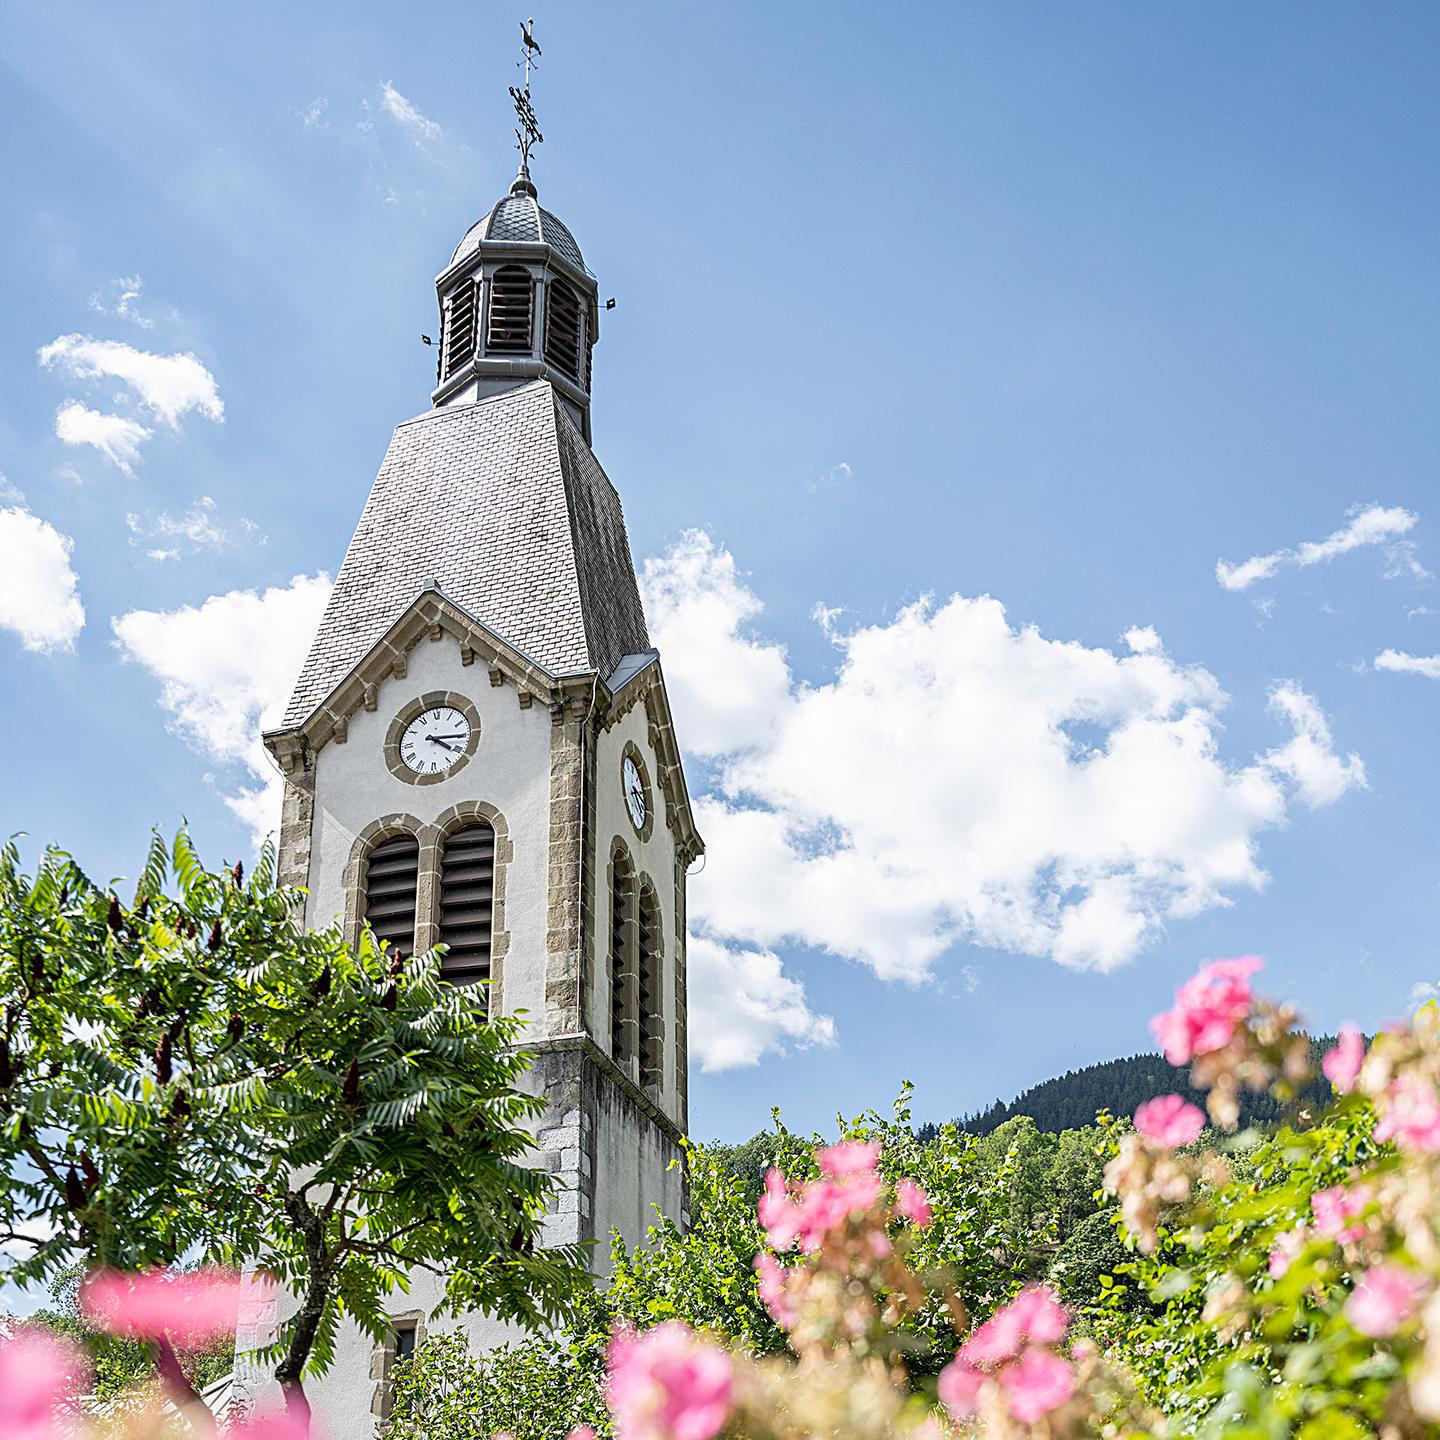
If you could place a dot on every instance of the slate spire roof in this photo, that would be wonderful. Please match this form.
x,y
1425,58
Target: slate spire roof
x,y
519,218
504,505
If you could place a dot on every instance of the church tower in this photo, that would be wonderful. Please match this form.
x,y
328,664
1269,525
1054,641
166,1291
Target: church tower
x,y
479,751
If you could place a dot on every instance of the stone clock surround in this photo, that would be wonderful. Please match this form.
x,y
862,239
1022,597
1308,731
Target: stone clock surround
x,y
429,701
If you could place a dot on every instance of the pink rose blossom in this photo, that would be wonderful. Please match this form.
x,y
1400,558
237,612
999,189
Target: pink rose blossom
x,y
38,1375
849,1157
912,1204
1286,1248
582,1432
1169,1120
1208,1007
822,1206
1041,1316
1342,1064
1384,1299
773,1291
668,1384
779,1214
1411,1116
959,1387
1035,1384
188,1308
1034,1314
1336,1209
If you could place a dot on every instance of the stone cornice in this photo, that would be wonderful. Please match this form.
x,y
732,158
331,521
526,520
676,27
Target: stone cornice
x,y
598,1058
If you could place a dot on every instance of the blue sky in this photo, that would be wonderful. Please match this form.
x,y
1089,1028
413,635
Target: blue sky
x,y
1054,305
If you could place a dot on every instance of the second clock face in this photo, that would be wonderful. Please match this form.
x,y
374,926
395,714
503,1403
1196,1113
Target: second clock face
x,y
634,786
435,740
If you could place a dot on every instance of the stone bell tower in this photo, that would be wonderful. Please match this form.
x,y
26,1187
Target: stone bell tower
x,y
479,750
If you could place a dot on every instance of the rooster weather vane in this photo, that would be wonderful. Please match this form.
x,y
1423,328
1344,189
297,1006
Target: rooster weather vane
x,y
527,129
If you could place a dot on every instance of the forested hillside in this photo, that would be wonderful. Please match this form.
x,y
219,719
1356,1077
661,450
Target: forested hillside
x,y
1070,1101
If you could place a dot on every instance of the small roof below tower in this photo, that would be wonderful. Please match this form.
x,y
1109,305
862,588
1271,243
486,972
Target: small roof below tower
x,y
518,219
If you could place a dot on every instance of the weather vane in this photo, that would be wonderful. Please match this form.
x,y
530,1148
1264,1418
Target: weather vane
x,y
527,129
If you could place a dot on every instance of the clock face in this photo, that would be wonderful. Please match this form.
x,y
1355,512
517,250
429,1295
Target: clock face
x,y
634,787
434,740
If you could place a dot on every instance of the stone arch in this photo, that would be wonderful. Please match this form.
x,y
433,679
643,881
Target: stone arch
x,y
432,856
387,827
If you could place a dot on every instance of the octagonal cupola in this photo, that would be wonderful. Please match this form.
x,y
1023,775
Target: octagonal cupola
x,y
517,304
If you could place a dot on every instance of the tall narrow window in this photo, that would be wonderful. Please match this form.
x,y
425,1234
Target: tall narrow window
x,y
512,310
652,1015
458,336
392,872
467,903
562,328
623,1038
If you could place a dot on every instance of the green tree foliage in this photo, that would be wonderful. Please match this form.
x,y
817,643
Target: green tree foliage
x,y
194,1074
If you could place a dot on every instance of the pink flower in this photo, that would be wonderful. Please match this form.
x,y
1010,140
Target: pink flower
x,y
1286,1248
38,1375
280,1426
849,1157
1169,1120
668,1384
1034,1314
582,1432
1410,1116
1337,1207
1035,1384
913,1204
773,1291
959,1387
1384,1299
188,1308
1342,1064
1208,1007
779,1215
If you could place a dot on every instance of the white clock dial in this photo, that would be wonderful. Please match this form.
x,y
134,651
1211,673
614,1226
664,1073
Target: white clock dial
x,y
434,740
634,787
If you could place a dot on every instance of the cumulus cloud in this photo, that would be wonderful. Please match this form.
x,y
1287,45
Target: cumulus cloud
x,y
743,1006
964,779
1404,664
39,592
117,438
199,528
1366,525
225,670
407,116
168,386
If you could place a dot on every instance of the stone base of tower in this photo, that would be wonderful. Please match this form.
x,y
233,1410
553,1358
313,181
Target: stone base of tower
x,y
617,1159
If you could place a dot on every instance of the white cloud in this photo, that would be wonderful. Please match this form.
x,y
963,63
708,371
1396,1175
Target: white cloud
x,y
1367,525
169,386
313,116
1403,664
199,528
399,109
226,669
9,491
120,298
39,593
832,479
1309,757
115,437
961,779
742,1006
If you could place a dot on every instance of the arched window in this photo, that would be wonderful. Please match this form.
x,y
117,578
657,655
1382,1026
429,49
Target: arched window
x,y
467,902
651,958
392,873
562,328
458,327
624,1037
512,310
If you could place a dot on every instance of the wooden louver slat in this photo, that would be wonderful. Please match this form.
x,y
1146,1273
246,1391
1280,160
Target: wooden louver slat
x,y
467,903
512,310
620,899
651,1018
392,873
459,327
562,328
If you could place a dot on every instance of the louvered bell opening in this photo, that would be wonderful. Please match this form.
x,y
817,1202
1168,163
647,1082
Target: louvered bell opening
x,y
650,1016
619,923
460,317
562,328
512,311
392,874
467,904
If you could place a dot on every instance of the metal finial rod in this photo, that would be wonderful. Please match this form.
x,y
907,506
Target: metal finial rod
x,y
527,130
